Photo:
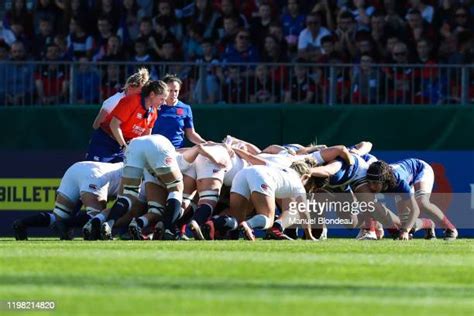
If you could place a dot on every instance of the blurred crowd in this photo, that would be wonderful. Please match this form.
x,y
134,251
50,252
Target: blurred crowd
x,y
221,32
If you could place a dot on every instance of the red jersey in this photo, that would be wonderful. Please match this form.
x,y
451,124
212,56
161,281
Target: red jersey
x,y
133,116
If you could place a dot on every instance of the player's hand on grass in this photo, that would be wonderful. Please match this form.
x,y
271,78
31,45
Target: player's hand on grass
x,y
404,235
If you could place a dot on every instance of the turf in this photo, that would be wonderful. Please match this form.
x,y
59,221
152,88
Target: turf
x,y
336,277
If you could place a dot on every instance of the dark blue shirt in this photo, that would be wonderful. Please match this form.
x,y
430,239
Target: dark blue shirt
x,y
344,175
171,122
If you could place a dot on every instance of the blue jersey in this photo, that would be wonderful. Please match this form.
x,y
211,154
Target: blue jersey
x,y
369,158
406,171
345,174
104,148
171,122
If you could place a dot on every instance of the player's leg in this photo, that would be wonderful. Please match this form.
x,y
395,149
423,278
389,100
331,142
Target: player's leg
x,y
172,178
208,191
265,208
156,197
63,208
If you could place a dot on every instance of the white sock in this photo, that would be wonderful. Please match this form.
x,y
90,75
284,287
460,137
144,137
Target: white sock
x,y
259,222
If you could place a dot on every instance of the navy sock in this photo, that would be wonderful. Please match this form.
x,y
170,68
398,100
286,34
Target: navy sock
x,y
185,219
172,213
224,224
202,214
38,220
119,209
77,221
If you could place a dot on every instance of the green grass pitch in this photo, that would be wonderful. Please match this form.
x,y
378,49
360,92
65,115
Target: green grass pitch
x,y
335,277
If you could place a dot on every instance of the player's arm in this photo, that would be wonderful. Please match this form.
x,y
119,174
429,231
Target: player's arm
x,y
326,170
117,131
362,148
99,118
409,207
304,214
250,158
251,148
310,149
333,152
193,136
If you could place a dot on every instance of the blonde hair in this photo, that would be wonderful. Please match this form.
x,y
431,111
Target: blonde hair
x,y
138,79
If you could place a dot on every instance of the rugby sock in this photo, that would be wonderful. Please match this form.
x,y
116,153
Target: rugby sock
x,y
101,217
77,221
202,214
278,225
142,221
185,219
39,220
422,223
120,207
173,212
447,224
224,224
259,222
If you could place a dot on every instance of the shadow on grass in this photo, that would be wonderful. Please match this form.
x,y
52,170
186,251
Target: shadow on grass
x,y
213,285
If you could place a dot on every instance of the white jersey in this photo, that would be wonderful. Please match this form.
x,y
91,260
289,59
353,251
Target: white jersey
x,y
151,152
99,178
268,180
110,103
237,165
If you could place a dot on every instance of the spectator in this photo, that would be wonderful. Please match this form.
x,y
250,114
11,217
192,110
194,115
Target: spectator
x,y
111,81
393,16
263,89
234,89
51,79
427,11
203,12
417,28
301,88
129,25
18,83
61,42
293,22
143,57
44,37
192,44
146,29
229,31
242,51
19,12
273,53
260,25
114,51
206,88
367,82
431,81
165,9
86,81
346,31
309,39
78,10
228,9
80,43
105,31
16,33
401,77
362,12
276,31
364,45
379,31
458,20
161,35
46,9
107,9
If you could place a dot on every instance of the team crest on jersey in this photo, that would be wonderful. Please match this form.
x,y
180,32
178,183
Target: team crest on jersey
x,y
168,161
179,111
264,187
139,116
215,170
92,186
